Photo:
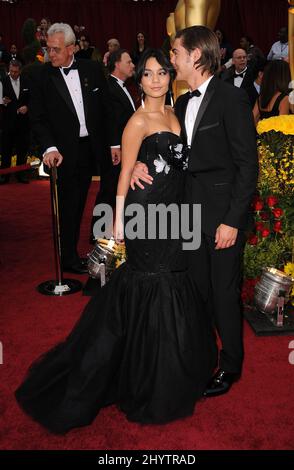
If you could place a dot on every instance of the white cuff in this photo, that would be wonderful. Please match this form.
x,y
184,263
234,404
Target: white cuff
x,y
50,149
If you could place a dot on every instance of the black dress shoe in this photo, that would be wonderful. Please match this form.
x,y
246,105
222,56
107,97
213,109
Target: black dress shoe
x,y
77,268
220,383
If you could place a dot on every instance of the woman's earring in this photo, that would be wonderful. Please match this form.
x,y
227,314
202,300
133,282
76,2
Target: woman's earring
x,y
171,98
142,98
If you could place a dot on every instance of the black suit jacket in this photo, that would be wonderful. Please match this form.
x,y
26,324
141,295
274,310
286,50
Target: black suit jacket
x,y
223,155
120,111
12,119
247,82
54,119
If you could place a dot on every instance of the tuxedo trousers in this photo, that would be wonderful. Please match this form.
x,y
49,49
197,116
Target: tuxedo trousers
x,y
218,275
73,187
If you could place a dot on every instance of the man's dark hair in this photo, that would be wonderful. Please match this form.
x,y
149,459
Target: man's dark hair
x,y
201,37
161,58
115,57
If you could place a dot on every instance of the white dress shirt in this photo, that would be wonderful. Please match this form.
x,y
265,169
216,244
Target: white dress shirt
x,y
279,51
193,108
238,80
72,80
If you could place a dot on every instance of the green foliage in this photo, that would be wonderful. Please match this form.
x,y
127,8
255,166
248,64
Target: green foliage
x,y
266,253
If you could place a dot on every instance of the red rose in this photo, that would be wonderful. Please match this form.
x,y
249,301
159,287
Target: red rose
x,y
253,240
258,205
259,226
271,201
264,215
277,226
265,233
278,212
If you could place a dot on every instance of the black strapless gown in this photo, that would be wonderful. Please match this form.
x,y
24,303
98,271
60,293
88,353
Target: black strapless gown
x,y
144,341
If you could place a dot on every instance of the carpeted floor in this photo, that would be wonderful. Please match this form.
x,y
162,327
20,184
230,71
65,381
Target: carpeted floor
x,y
256,414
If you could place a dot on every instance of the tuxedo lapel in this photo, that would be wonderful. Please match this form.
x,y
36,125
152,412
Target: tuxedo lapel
x,y
205,102
119,91
62,89
12,89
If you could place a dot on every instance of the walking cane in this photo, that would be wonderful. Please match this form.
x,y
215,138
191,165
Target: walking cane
x,y
59,286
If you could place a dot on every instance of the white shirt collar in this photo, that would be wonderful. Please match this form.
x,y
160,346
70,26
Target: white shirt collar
x,y
121,82
202,88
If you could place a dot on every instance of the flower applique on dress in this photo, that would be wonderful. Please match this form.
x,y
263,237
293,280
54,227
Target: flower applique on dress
x,y
161,165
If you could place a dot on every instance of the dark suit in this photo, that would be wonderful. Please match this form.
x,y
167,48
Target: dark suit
x,y
15,134
120,111
247,82
55,123
222,176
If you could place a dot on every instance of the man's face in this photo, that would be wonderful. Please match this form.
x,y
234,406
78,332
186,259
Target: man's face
x,y
283,35
182,61
125,66
13,49
14,72
60,55
239,60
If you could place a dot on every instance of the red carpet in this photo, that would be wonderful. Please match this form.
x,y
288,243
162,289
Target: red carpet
x,y
256,414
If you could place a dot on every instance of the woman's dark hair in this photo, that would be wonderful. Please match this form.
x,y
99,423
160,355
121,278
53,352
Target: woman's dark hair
x,y
276,77
115,57
145,40
201,37
161,58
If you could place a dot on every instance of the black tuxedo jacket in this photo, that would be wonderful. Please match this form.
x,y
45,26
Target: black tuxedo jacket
x,y
12,119
223,155
120,111
54,119
247,82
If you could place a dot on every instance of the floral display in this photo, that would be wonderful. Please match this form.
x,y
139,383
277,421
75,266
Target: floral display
x,y
271,241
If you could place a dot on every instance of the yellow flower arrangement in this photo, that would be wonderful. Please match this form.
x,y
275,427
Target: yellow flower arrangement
x,y
271,242
276,156
284,124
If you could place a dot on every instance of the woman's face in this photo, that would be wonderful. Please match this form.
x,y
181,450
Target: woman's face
x,y
219,35
43,24
155,80
140,38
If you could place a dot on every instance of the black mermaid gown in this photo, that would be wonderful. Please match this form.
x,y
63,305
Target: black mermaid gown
x,y
143,342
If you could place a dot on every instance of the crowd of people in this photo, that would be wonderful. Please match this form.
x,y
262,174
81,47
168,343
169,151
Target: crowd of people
x,y
147,340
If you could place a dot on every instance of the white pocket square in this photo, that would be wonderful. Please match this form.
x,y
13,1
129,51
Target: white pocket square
x,y
95,89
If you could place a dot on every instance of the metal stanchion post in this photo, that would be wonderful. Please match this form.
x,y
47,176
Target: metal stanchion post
x,y
59,286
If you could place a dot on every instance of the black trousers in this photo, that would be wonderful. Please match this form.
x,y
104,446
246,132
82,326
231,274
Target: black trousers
x,y
72,192
218,274
14,140
108,187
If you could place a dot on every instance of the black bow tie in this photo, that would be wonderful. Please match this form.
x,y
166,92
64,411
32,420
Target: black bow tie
x,y
73,66
194,93
241,75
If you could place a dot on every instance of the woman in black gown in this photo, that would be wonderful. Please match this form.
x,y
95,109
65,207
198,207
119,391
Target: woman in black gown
x,y
144,342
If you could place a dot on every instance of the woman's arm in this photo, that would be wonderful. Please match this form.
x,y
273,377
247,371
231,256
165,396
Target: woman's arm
x,y
256,113
284,107
132,138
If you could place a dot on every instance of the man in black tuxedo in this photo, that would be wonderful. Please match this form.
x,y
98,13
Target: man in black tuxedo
x,y
217,124
68,112
121,108
15,133
240,74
